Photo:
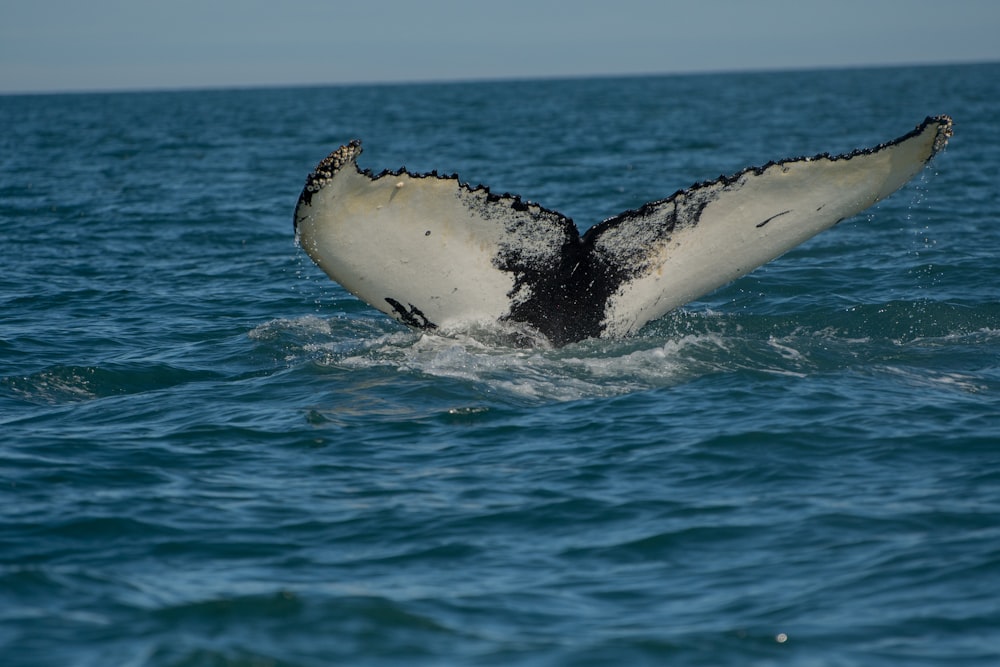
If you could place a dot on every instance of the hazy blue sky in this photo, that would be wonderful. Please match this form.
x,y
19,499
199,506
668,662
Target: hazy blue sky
x,y
111,44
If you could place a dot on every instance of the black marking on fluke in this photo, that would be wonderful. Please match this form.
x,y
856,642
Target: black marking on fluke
x,y
410,315
566,302
565,295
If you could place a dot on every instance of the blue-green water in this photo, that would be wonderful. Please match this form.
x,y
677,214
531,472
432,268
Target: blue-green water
x,y
212,455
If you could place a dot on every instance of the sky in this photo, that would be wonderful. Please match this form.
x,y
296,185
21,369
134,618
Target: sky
x,y
75,45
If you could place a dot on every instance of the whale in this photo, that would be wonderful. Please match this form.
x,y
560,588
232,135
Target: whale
x,y
436,253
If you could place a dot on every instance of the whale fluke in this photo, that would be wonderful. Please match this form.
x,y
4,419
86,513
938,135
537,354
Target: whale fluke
x,y
432,252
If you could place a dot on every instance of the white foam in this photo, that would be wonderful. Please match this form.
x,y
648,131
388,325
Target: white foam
x,y
591,369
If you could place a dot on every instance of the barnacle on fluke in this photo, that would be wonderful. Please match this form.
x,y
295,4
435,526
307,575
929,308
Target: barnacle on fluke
x,y
434,252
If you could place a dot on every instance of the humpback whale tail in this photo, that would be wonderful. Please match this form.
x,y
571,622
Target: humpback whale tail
x,y
432,251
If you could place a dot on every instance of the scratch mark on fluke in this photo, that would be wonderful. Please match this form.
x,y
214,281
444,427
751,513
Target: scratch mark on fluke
x,y
776,215
458,255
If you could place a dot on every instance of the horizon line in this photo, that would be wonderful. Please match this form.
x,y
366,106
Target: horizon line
x,y
459,80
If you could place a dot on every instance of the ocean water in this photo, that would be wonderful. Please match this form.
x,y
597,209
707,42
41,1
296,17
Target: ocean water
x,y
213,455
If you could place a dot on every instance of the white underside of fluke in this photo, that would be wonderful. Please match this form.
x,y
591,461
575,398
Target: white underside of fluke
x,y
433,252
411,240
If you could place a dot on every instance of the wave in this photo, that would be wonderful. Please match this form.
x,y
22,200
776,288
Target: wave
x,y
71,384
682,347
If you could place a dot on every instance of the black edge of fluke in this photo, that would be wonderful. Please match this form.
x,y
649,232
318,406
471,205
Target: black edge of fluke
x,y
944,132
348,154
327,169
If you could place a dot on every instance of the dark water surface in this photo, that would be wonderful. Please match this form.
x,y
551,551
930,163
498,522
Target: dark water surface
x,y
213,455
